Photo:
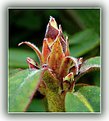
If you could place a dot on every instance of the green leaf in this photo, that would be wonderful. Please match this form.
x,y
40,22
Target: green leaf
x,y
17,58
89,18
22,87
83,42
96,79
38,105
91,78
79,85
85,18
13,71
87,99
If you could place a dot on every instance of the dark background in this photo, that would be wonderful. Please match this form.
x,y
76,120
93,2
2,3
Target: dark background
x,y
82,26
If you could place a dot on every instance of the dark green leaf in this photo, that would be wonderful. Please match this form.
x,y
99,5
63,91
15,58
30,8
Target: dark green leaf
x,y
79,85
91,78
22,87
83,42
86,18
29,20
96,79
87,99
38,105
89,18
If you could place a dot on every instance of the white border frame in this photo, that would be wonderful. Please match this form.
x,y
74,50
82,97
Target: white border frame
x,y
56,7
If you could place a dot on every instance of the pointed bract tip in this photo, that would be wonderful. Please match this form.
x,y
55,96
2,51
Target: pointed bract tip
x,y
45,39
80,60
60,28
66,38
20,43
52,22
52,19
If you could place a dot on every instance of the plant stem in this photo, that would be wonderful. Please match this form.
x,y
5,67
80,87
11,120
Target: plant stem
x,y
54,98
55,102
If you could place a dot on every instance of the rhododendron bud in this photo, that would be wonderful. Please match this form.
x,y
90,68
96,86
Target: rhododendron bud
x,y
55,56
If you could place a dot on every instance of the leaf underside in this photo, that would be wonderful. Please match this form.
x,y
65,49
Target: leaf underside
x,y
89,65
22,87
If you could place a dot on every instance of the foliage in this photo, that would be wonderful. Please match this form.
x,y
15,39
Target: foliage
x,y
79,87
23,85
86,99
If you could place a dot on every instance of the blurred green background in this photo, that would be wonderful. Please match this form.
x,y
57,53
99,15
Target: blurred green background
x,y
82,26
